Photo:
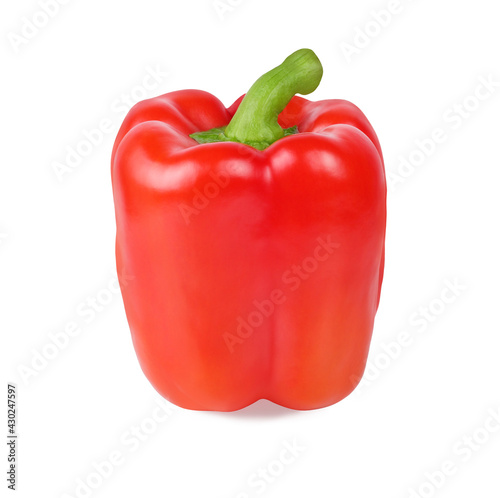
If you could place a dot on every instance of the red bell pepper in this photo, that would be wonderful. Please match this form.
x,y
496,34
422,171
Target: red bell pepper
x,y
255,236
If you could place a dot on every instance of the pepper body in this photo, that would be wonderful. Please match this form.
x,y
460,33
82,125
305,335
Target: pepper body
x,y
252,274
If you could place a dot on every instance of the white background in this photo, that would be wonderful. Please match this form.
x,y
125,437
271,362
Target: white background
x,y
414,411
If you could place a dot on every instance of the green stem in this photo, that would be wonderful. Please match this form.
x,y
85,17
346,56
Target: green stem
x,y
256,120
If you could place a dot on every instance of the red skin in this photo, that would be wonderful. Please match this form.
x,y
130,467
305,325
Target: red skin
x,y
196,274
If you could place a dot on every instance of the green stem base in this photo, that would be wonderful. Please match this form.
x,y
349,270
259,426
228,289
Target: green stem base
x,y
218,135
